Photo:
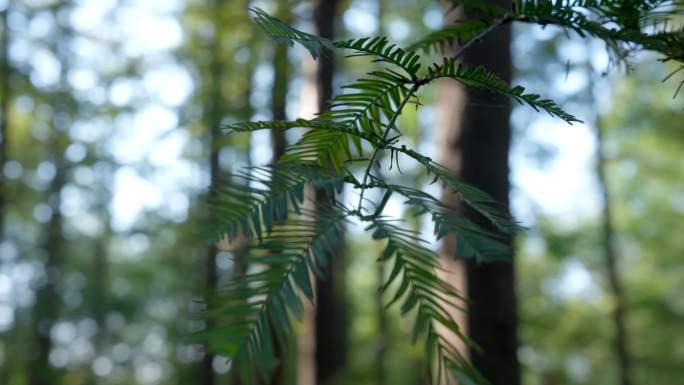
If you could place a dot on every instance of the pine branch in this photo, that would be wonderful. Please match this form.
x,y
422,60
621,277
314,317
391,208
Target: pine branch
x,y
374,98
390,125
479,77
250,310
472,241
281,32
448,36
384,51
421,291
256,198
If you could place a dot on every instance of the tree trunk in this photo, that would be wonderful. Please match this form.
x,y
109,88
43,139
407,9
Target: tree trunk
x,y
306,339
476,146
4,113
48,301
213,120
620,342
331,317
485,143
278,143
383,337
5,69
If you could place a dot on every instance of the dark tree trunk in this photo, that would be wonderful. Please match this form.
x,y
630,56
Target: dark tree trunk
x,y
213,120
48,300
331,317
474,136
5,70
620,343
4,112
281,69
484,144
281,79
383,337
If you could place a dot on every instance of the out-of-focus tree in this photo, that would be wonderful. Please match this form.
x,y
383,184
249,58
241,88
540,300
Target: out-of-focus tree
x,y
331,324
47,307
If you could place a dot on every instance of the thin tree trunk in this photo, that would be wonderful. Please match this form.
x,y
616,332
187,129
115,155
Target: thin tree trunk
x,y
280,84
4,112
450,100
383,337
213,120
278,143
331,317
8,365
306,339
5,70
48,301
612,268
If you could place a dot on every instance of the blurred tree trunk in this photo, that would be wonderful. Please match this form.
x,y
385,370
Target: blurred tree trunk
x,y
281,80
48,300
4,112
485,142
611,260
475,141
331,317
281,69
450,99
99,282
213,120
306,338
5,69
383,337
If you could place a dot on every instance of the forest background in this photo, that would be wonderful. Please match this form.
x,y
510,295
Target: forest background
x,y
110,112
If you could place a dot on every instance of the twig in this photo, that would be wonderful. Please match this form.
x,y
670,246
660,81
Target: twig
x,y
413,89
461,50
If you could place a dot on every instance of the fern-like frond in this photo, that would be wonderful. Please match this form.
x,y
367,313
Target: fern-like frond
x,y
281,32
472,241
456,34
475,198
372,102
383,51
253,310
421,291
252,201
622,25
320,148
352,136
480,77
313,124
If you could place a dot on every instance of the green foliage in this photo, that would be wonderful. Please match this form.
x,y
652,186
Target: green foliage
x,y
252,309
625,26
420,289
479,77
256,198
290,241
448,36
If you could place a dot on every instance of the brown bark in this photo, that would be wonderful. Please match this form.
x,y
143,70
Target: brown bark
x,y
278,143
213,120
485,142
331,317
48,301
306,338
476,146
4,112
620,342
5,70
